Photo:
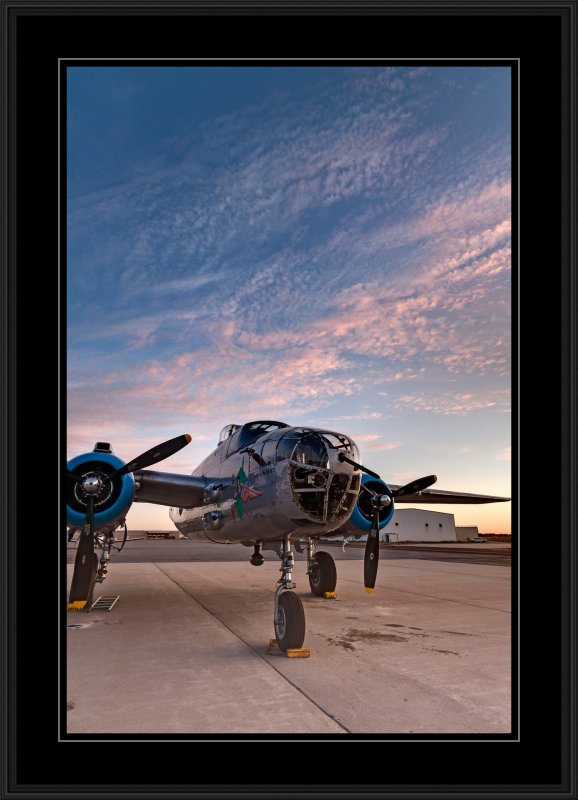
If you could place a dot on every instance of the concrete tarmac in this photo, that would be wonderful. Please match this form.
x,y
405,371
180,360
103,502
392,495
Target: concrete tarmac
x,y
163,550
184,651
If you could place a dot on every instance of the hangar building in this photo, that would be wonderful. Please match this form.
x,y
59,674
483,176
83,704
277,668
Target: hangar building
x,y
416,525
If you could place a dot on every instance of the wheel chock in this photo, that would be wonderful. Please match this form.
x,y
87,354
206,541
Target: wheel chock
x,y
295,652
330,595
77,605
298,652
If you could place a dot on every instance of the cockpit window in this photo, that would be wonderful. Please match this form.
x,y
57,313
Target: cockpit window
x,y
227,432
233,444
268,454
254,430
250,432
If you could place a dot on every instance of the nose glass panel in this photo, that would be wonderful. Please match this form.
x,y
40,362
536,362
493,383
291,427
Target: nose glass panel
x,y
311,450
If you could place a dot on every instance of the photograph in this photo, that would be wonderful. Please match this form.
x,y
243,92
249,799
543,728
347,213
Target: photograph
x,y
306,277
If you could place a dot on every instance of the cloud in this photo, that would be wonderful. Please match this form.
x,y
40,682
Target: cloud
x,y
381,446
294,256
505,454
459,404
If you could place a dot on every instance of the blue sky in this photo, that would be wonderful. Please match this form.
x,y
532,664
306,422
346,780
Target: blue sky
x,y
324,246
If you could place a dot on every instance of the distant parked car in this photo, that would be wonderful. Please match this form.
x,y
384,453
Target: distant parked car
x,y
477,539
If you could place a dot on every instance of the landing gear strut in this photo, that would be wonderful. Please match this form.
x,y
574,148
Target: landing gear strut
x,y
289,617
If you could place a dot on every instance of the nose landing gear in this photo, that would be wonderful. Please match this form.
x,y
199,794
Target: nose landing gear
x,y
289,616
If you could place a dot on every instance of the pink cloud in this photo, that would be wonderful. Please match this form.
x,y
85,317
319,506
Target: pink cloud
x,y
459,404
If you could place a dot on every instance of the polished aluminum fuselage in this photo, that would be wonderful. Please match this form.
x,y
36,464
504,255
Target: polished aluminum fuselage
x,y
288,481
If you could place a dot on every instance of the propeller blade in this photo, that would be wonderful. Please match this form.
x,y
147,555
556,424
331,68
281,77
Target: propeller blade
x,y
90,514
371,559
343,457
415,486
155,454
86,562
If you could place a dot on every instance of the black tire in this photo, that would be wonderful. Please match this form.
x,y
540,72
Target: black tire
x,y
290,625
322,574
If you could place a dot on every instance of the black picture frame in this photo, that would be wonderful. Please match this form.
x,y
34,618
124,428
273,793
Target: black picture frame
x,y
541,37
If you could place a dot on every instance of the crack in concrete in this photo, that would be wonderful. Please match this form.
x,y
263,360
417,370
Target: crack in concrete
x,y
273,667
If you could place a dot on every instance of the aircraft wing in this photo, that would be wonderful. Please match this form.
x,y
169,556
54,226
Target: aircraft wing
x,y
443,496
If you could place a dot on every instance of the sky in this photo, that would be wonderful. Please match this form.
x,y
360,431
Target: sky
x,y
325,246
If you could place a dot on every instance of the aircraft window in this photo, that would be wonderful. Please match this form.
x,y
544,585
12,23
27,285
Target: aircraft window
x,y
343,443
254,430
250,433
268,454
233,443
227,431
311,450
255,459
288,443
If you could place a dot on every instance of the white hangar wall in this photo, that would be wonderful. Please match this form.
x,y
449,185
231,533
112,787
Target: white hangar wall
x,y
416,525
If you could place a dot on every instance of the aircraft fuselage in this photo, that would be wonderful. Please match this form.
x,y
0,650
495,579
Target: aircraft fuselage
x,y
285,480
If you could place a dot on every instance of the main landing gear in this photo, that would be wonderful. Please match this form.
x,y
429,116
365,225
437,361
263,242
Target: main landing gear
x,y
289,617
321,570
88,568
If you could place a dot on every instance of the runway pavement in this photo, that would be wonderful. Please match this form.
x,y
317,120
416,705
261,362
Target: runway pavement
x,y
184,649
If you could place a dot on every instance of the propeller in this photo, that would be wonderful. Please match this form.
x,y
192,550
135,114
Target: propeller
x,y
371,558
415,486
152,456
155,454
86,562
343,457
379,501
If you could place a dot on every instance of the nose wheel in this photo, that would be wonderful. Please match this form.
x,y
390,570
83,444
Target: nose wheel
x,y
290,621
289,616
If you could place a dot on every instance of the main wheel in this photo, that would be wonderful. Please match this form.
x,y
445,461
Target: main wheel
x,y
322,574
290,622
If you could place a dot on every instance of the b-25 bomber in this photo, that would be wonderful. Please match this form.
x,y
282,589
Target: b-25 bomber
x,y
267,485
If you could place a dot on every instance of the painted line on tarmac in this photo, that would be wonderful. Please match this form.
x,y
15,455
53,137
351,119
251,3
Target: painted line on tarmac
x,y
224,624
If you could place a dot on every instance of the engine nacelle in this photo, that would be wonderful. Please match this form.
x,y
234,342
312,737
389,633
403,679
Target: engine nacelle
x,y
362,516
111,502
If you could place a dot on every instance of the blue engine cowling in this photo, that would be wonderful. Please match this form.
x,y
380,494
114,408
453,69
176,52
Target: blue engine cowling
x,y
362,513
114,499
